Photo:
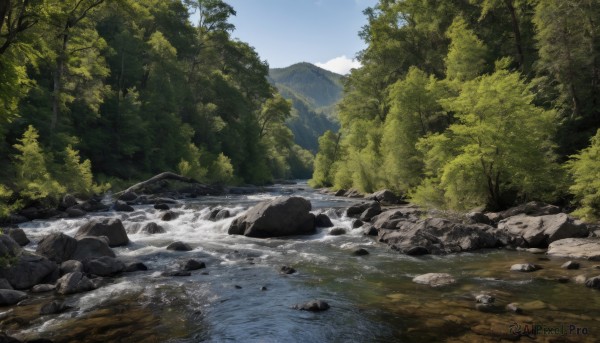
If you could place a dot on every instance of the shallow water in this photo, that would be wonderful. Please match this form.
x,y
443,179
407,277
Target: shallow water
x,y
372,298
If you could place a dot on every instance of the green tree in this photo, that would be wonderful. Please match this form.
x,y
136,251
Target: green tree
x,y
76,176
499,149
33,181
324,171
584,168
467,53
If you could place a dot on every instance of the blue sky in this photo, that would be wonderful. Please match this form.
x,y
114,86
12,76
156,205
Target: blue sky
x,y
284,32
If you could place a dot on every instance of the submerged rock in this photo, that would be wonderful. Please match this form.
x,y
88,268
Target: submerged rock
x,y
54,307
283,216
360,252
168,216
435,279
122,206
313,306
179,246
192,264
152,228
161,206
570,265
525,267
134,267
42,288
287,270
112,228
337,231
593,282
170,273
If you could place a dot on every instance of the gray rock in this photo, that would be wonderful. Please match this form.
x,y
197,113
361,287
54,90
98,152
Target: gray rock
x,y
513,307
128,197
287,270
192,264
416,251
370,231
70,266
93,205
360,252
584,248
92,247
103,266
485,299
313,306
478,218
135,267
75,212
593,282
540,231
170,273
4,284
18,235
524,267
57,247
533,209
435,279
283,216
28,270
357,223
358,209
370,212
337,231
68,201
74,283
161,206
122,206
222,214
438,236
389,220
322,220
111,228
386,197
53,307
42,288
153,228
179,246
570,265
10,297
168,216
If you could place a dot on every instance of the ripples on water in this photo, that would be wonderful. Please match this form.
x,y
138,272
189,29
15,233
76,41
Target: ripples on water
x,y
372,298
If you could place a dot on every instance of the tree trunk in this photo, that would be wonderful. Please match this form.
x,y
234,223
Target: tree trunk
x,y
58,76
517,32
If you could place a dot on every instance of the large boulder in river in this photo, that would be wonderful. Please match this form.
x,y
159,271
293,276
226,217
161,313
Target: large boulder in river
x,y
358,209
110,227
386,197
537,232
74,283
103,266
10,297
28,270
585,248
18,235
89,247
434,279
283,216
438,236
57,247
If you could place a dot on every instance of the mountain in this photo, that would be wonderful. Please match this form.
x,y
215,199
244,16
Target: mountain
x,y
314,93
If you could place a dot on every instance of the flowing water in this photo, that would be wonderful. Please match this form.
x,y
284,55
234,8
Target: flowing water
x,y
242,297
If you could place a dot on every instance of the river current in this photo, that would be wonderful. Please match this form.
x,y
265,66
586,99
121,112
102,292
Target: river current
x,y
241,296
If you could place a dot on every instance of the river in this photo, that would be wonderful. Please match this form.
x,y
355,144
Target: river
x,y
241,296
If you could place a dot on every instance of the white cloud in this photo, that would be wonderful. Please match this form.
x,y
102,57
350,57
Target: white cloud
x,y
340,65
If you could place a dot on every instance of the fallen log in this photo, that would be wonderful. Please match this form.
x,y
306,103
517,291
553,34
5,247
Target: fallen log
x,y
158,178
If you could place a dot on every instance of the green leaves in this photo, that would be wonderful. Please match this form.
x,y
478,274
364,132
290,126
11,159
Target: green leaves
x,y
584,168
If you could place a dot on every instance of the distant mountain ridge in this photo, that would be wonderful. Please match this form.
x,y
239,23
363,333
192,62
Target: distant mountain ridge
x,y
314,93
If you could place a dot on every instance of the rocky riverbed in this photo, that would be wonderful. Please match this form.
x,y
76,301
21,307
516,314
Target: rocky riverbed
x,y
293,264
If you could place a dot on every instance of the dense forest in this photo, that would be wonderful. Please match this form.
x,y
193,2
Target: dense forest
x,y
468,103
97,91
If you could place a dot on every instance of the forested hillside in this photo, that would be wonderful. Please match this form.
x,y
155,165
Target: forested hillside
x,y
314,93
468,103
124,89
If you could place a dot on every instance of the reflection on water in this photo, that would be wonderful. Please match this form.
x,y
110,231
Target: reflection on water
x,y
242,297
